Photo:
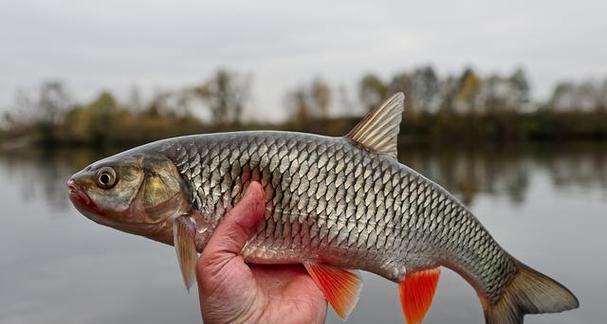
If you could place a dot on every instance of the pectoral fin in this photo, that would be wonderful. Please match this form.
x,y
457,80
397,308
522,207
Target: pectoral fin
x,y
184,239
341,287
416,293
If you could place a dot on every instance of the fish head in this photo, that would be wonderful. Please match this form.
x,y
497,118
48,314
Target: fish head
x,y
138,193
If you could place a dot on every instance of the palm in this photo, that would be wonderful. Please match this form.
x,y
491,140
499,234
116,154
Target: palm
x,y
291,294
260,294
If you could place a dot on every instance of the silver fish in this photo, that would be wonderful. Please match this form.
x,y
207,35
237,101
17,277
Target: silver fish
x,y
337,203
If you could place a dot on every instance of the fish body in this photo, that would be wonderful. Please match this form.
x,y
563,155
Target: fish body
x,y
329,200
345,202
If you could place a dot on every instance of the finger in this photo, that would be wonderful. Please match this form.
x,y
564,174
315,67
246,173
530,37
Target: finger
x,y
235,229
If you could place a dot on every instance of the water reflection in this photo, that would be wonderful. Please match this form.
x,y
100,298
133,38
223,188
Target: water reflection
x,y
54,260
42,174
506,172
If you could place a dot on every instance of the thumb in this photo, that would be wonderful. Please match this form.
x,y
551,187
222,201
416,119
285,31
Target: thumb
x,y
232,233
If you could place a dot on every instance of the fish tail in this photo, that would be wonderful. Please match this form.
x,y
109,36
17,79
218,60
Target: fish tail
x,y
529,292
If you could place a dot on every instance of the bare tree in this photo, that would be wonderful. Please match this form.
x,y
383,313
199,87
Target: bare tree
x,y
299,106
372,91
43,109
313,101
602,100
135,102
425,86
225,94
320,94
51,103
520,86
448,94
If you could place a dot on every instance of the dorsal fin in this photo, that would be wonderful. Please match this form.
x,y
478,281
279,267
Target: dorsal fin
x,y
378,131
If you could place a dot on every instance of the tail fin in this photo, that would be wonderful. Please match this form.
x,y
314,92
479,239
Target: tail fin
x,y
529,292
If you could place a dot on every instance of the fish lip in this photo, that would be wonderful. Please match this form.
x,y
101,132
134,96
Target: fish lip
x,y
78,197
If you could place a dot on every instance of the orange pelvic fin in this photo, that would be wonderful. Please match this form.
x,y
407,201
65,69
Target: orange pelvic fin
x,y
416,293
341,287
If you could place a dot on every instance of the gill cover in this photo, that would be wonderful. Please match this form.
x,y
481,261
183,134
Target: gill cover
x,y
162,195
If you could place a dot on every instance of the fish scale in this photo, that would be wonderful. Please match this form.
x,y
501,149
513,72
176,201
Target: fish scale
x,y
416,229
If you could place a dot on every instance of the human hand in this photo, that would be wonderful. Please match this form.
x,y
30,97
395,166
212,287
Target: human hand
x,y
232,291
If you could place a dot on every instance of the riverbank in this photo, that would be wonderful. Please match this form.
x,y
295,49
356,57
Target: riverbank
x,y
427,129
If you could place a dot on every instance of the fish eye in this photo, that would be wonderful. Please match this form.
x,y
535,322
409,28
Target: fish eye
x,y
106,177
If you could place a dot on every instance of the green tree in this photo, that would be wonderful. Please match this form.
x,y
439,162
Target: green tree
x,y
93,123
104,110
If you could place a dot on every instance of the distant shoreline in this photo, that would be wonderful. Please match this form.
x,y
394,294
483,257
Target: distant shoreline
x,y
426,129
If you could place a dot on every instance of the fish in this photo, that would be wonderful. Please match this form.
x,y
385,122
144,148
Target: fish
x,y
336,205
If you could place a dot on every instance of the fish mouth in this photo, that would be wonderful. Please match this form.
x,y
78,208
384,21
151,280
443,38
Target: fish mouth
x,y
86,206
79,198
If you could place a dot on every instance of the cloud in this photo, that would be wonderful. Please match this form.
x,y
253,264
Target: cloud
x,y
115,44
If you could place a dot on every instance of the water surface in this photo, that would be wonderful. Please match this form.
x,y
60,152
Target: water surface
x,y
546,204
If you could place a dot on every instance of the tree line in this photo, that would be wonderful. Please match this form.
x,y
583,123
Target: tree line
x,y
466,106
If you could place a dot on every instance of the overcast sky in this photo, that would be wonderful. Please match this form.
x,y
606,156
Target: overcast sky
x,y
169,44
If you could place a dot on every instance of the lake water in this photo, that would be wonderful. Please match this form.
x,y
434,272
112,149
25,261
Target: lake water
x,y
546,204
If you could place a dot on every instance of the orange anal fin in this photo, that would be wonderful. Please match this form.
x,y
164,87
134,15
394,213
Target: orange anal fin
x,y
416,293
341,287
